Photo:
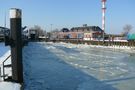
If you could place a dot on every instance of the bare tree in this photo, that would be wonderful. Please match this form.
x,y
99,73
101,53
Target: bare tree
x,y
126,29
55,30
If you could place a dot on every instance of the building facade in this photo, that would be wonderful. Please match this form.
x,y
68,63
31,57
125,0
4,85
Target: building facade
x,y
3,31
84,33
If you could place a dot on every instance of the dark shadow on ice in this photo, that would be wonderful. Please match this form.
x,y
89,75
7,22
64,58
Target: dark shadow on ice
x,y
43,70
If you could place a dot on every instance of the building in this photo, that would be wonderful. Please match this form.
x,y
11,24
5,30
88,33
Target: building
x,y
89,32
3,31
83,33
63,33
33,34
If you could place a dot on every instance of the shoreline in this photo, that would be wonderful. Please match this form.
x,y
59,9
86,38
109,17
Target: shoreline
x,y
113,47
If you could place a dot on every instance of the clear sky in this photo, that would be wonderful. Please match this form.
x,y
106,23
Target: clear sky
x,y
72,13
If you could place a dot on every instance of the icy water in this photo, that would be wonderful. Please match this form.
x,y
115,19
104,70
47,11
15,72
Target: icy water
x,y
3,49
59,66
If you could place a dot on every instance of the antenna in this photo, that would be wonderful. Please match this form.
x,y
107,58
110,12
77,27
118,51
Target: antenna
x,y
103,15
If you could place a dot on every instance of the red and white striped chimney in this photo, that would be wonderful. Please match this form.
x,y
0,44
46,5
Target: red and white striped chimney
x,y
103,14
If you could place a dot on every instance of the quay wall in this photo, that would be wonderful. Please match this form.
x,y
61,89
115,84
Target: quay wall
x,y
101,43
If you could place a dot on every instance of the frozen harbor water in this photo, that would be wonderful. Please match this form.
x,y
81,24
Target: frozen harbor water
x,y
60,66
3,49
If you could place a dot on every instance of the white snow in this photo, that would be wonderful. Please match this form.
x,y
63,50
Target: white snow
x,y
6,85
9,86
2,58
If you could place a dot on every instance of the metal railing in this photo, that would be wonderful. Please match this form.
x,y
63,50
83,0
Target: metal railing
x,y
3,64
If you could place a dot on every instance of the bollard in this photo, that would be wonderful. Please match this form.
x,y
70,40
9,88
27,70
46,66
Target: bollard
x,y
16,45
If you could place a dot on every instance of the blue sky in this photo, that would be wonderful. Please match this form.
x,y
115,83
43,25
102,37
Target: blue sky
x,y
71,13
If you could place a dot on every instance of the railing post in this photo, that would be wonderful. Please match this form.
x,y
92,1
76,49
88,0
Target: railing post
x,y
3,72
16,45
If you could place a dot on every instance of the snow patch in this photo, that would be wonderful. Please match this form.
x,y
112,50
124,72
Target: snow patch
x,y
9,86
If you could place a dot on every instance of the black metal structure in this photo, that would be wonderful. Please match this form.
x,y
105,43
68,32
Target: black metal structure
x,y
16,39
16,45
15,42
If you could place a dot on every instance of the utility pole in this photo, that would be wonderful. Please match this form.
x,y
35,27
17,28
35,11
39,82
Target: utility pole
x,y
16,45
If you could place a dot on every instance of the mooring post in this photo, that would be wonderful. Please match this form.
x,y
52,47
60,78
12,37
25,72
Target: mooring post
x,y
16,45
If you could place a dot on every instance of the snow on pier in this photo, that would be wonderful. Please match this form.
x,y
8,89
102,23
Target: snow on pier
x,y
4,53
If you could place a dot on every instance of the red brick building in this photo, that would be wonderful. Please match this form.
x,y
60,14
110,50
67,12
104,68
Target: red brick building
x,y
85,33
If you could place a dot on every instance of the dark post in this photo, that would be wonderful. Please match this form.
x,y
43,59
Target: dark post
x,y
16,45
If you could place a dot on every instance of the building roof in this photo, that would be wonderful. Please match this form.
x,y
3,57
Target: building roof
x,y
65,30
131,37
89,28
